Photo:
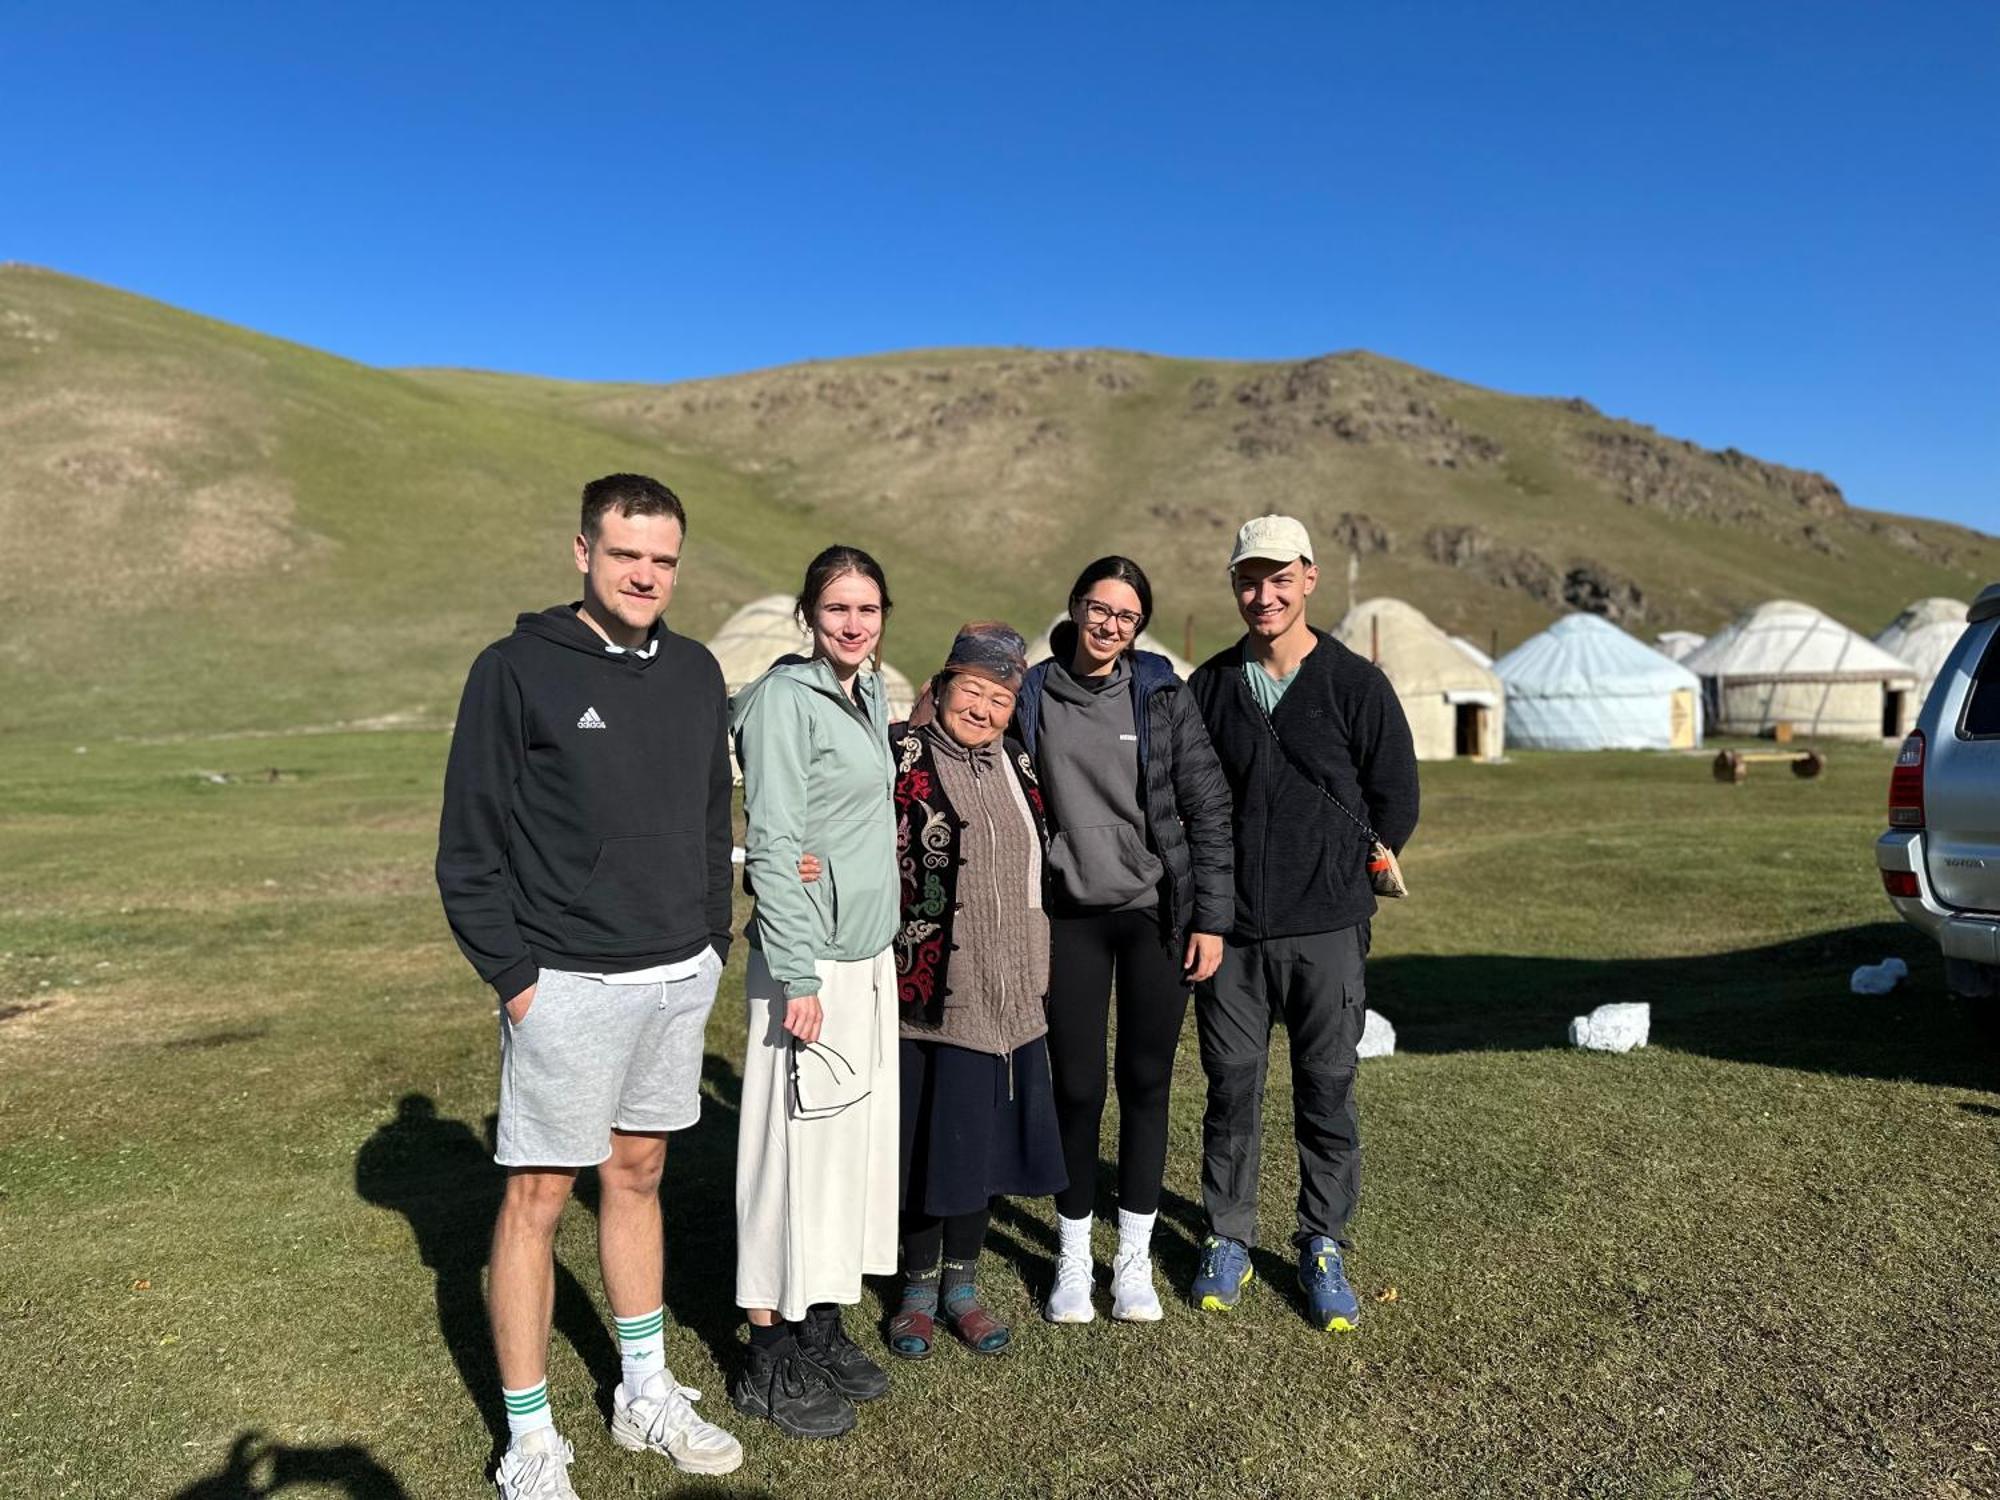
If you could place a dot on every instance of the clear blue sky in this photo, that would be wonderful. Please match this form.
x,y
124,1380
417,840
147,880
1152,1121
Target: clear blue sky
x,y
1769,225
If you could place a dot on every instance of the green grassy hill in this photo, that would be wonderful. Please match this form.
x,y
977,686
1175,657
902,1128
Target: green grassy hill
x,y
208,530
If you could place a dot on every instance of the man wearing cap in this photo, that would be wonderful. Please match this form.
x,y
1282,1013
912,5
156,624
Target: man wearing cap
x,y
1300,723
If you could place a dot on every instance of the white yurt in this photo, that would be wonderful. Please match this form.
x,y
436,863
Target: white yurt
x,y
1786,663
1676,644
764,630
1584,684
1039,647
1472,651
1923,636
1455,706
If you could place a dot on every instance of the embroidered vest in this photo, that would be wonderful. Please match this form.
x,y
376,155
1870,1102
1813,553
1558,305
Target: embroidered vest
x,y
928,861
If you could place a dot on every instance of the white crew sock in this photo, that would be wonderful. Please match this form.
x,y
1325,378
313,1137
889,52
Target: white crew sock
x,y
527,1409
642,1348
1075,1236
1135,1232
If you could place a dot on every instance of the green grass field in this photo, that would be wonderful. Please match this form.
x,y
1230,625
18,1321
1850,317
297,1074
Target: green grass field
x,y
244,1195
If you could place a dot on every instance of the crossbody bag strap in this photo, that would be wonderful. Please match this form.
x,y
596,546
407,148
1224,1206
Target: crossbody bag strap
x,y
1300,771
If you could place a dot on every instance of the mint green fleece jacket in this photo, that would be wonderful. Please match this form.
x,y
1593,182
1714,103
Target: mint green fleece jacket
x,y
816,776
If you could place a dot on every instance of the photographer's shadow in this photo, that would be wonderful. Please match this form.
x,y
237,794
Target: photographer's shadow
x,y
258,1467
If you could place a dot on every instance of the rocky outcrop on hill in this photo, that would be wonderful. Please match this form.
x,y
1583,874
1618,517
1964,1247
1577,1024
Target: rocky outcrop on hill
x,y
1360,534
1583,585
1347,400
1597,590
1731,487
1813,493
1663,474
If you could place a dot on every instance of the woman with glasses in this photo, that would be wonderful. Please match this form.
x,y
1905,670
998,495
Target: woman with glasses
x,y
816,1145
1141,893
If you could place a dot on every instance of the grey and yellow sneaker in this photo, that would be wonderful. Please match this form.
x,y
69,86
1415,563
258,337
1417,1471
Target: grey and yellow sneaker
x,y
1225,1271
1330,1301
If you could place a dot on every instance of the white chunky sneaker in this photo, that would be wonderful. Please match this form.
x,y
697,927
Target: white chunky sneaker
x,y
661,1419
1133,1298
535,1467
1069,1298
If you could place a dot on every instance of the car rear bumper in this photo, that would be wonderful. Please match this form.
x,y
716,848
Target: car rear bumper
x,y
1976,939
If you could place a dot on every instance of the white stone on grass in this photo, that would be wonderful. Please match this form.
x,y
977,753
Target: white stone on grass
x,y
1378,1037
1613,1028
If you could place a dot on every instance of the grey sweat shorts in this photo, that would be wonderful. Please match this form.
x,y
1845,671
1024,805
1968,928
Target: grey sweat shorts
x,y
591,1058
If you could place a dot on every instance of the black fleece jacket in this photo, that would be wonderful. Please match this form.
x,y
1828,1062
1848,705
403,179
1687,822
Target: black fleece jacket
x,y
1300,865
586,805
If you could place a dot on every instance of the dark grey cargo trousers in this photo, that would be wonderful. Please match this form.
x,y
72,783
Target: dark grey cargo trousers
x,y
1315,985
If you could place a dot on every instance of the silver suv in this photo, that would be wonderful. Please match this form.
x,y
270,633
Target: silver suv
x,y
1940,859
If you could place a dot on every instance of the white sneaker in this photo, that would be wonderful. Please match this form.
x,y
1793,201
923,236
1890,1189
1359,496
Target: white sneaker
x,y
661,1419
535,1467
1133,1297
1069,1298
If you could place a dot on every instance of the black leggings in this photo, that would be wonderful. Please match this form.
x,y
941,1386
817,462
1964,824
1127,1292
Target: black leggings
x,y
925,1236
1086,954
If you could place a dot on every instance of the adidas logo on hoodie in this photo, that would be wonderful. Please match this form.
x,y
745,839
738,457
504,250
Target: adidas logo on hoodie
x,y
590,720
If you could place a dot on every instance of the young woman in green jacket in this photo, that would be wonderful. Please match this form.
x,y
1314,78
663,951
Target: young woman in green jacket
x,y
816,1169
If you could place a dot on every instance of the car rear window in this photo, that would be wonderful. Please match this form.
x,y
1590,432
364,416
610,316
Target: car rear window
x,y
1982,704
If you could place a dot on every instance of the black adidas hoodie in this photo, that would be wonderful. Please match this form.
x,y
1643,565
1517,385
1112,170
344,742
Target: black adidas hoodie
x,y
586,805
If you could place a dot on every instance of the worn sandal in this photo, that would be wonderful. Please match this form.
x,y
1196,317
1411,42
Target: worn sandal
x,y
913,1329
982,1332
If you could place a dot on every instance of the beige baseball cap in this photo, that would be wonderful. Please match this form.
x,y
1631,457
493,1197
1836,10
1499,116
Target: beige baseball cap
x,y
1279,538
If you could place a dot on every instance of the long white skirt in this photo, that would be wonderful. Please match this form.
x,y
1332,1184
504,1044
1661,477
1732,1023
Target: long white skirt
x,y
816,1155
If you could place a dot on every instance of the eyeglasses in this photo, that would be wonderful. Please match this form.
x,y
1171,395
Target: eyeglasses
x,y
1104,614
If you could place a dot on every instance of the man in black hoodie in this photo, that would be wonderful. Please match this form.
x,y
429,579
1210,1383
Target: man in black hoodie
x,y
584,862
1317,753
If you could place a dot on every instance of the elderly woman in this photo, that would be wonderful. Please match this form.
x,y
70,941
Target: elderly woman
x,y
972,968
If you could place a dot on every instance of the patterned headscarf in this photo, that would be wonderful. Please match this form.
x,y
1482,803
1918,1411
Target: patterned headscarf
x,y
991,649
983,648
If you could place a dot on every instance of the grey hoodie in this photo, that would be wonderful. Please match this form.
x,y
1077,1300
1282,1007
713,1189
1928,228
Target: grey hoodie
x,y
817,776
1098,858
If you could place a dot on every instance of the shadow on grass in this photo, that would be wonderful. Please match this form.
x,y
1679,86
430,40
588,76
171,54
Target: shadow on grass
x,y
257,1467
1786,1005
701,1219
441,1176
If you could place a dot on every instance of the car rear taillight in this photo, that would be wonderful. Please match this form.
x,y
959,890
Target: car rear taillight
x,y
1906,784
1901,883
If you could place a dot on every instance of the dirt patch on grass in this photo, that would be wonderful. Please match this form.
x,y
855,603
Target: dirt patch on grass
x,y
23,1008
184,467
208,1041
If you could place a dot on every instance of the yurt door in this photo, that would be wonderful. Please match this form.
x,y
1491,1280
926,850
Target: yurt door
x,y
1892,714
1471,730
1681,725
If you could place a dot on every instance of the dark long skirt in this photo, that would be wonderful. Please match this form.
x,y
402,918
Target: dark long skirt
x,y
973,1129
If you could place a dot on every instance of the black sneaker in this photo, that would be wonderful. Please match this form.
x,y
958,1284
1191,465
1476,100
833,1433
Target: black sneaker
x,y
823,1341
782,1384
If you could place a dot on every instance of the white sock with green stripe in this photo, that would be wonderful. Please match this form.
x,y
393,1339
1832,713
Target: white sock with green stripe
x,y
642,1348
527,1409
